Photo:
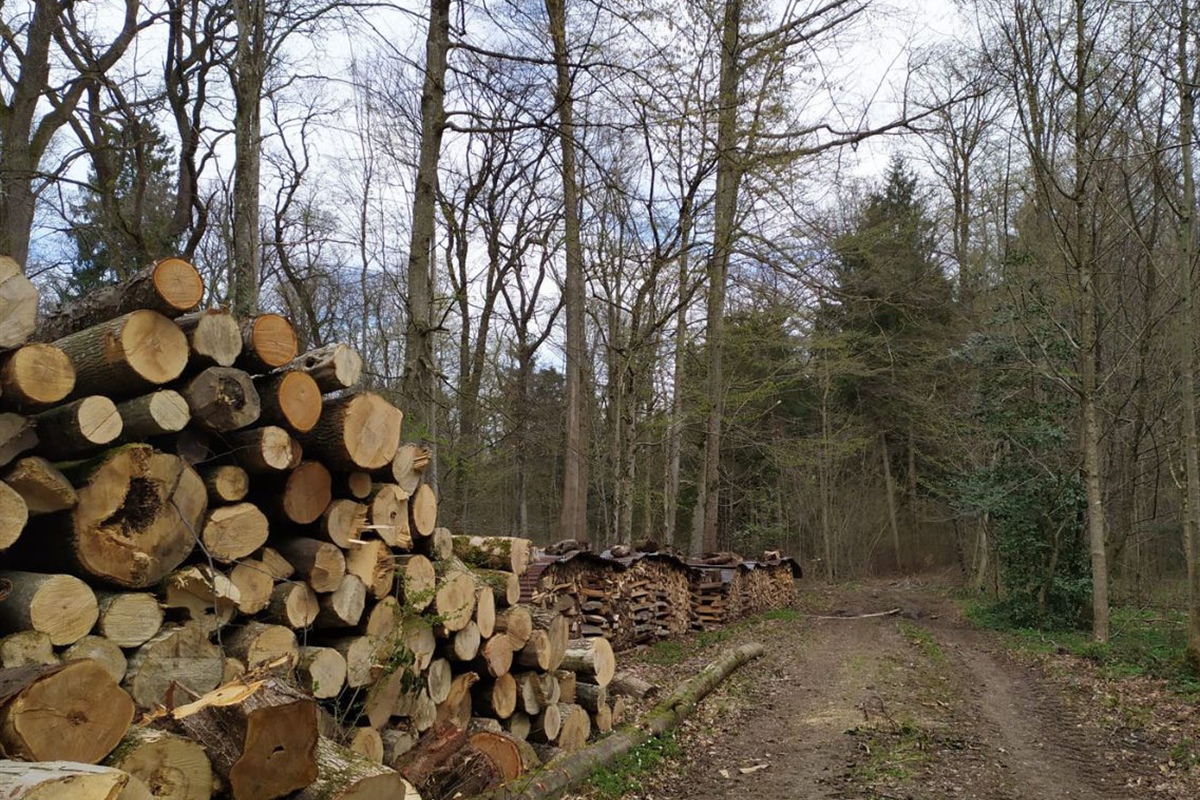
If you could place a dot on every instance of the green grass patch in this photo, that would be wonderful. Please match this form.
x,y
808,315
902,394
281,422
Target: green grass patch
x,y
666,653
1142,642
623,776
923,640
891,755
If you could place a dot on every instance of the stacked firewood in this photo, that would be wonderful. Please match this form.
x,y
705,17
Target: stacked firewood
x,y
200,528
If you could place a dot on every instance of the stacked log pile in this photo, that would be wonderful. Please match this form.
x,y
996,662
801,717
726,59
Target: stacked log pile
x,y
205,530
632,598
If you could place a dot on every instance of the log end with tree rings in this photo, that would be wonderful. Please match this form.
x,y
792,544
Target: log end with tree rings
x,y
153,347
61,606
178,284
422,507
37,375
18,304
214,336
307,492
137,516
371,431
269,342
297,401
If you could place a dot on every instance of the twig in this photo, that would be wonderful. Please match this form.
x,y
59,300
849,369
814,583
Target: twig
x,y
860,616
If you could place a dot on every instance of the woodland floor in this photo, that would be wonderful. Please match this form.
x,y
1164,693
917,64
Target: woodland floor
x,y
913,705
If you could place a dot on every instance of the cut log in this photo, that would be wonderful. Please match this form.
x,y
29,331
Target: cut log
x,y
320,563
360,653
35,376
537,653
334,367
602,719
367,743
417,638
275,564
567,684
431,752
290,400
127,355
61,606
576,727
502,750
409,465
268,342
157,414
359,432
14,514
264,450
178,663
222,399
439,545
43,488
233,532
60,780
372,563
485,612
495,657
322,671
418,581
78,428
591,657
342,522
214,338
343,607
225,483
418,708
257,643
136,518
103,651
456,708
24,648
170,286
380,703
530,695
387,516
384,618
129,619
505,586
454,600
302,495
261,736
630,685
508,553
346,775
558,633
18,304
254,585
551,689
498,696
422,511
618,711
396,744
358,485
518,725
591,696
517,624
463,644
67,712
202,595
163,765
465,773
17,434
545,726
438,678
293,604
193,446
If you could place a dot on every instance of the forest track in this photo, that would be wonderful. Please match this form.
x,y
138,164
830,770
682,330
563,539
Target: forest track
x,y
913,705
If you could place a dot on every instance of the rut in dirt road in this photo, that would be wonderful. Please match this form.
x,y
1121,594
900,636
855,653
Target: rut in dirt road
x,y
915,705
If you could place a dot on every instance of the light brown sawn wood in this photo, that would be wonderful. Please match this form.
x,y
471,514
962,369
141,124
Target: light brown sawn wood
x,y
268,342
169,287
14,514
320,563
26,647
509,553
293,603
205,596
127,355
387,515
164,765
234,531
254,584
103,651
35,376
300,496
342,522
335,367
257,643
517,624
225,483
156,414
129,619
418,580
592,657
343,607
214,338
361,431
67,712
322,671
264,450
43,488
454,600
409,465
177,654
61,606
18,304
422,511
291,400
78,428
372,562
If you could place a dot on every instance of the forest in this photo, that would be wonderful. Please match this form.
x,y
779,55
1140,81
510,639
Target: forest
x,y
613,260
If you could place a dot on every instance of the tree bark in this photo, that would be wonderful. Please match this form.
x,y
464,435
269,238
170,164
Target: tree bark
x,y
247,73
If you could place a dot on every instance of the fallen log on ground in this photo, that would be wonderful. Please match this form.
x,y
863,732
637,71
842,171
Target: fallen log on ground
x,y
557,777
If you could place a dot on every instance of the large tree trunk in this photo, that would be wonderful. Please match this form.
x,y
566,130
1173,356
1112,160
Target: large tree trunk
x,y
248,73
729,175
573,518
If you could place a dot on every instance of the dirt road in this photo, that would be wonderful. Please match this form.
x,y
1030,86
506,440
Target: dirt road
x,y
911,705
